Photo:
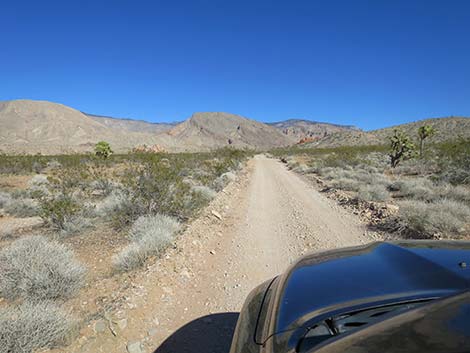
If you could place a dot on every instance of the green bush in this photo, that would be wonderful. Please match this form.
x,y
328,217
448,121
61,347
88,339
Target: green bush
x,y
58,210
103,149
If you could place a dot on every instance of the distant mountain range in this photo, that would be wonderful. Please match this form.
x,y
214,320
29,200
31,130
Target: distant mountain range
x,y
131,124
447,129
28,126
308,131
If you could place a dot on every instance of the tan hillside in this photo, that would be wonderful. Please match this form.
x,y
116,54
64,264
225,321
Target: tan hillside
x,y
43,127
32,127
204,131
305,129
346,138
447,129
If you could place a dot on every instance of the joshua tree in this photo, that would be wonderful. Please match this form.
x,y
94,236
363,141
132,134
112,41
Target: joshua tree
x,y
401,148
424,132
103,149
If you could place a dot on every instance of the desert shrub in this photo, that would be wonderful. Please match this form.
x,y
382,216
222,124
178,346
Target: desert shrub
x,y
35,268
458,193
5,199
302,169
359,175
28,327
74,225
58,210
149,235
373,193
441,216
22,207
39,179
131,257
454,161
103,185
116,201
154,189
292,163
415,167
38,186
53,164
221,181
158,227
204,191
418,188
345,184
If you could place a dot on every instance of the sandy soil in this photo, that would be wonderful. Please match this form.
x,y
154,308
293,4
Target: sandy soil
x,y
189,300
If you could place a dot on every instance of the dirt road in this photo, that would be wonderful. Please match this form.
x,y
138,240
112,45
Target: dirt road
x,y
189,300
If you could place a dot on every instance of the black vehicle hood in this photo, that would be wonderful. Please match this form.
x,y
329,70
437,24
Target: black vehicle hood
x,y
325,283
442,326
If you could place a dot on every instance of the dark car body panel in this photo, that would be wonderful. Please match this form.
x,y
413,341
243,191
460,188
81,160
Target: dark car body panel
x,y
322,285
442,326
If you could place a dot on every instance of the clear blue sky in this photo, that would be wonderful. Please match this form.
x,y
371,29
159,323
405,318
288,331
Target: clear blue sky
x,y
368,63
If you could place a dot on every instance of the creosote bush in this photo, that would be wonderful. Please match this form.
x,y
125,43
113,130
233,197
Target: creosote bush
x,y
29,326
34,268
59,210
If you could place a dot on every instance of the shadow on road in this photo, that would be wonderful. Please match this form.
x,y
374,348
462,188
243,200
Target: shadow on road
x,y
208,334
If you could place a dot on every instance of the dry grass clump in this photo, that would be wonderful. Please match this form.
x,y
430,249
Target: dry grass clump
x,y
204,191
22,207
425,190
353,179
38,179
103,186
458,193
443,216
373,193
29,326
347,184
113,203
149,235
221,181
130,258
35,268
39,186
5,199
418,188
75,225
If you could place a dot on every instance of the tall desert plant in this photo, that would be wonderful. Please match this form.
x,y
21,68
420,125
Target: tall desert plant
x,y
424,132
103,149
401,148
